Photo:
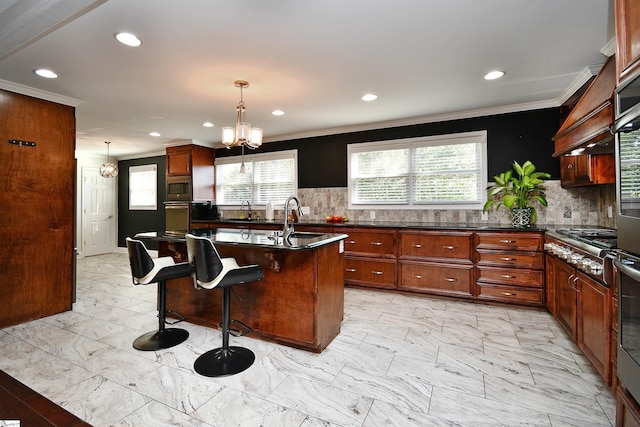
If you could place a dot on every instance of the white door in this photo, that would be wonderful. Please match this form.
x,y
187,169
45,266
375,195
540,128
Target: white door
x,y
98,212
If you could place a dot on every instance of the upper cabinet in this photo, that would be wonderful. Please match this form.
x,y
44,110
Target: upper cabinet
x,y
627,37
196,162
587,169
590,120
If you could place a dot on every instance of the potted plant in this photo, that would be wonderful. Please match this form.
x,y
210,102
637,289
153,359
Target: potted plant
x,y
517,189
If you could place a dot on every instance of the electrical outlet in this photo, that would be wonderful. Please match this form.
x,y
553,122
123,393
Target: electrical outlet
x,y
306,210
372,214
484,216
610,211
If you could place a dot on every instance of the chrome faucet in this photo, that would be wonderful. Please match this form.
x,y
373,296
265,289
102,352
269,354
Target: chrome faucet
x,y
288,227
248,208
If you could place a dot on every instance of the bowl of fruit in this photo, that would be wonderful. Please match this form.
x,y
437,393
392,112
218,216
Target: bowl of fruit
x,y
336,218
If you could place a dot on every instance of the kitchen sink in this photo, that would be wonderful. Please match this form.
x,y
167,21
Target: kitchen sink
x,y
305,235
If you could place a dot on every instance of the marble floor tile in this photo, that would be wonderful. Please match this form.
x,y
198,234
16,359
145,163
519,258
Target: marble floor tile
x,y
329,403
158,415
233,408
99,401
400,360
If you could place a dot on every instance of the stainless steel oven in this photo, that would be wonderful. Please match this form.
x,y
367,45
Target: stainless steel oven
x,y
627,132
628,272
179,188
627,264
176,217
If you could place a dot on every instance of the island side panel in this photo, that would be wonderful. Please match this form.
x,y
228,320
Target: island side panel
x,y
300,305
330,273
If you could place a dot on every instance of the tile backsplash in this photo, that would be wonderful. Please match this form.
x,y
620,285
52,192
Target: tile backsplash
x,y
572,207
583,206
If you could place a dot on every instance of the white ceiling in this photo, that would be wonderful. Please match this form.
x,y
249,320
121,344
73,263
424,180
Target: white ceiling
x,y
313,59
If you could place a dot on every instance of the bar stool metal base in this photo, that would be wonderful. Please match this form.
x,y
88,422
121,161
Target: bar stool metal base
x,y
158,340
220,362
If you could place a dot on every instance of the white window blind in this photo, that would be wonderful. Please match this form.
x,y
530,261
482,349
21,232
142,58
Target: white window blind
x,y
268,177
446,171
143,187
629,173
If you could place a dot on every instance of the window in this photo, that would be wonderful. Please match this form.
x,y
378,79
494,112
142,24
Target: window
x,y
443,172
268,177
143,187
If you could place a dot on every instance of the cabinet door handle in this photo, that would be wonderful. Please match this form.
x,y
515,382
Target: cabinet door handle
x,y
376,243
450,279
507,241
377,273
507,258
417,276
351,242
449,247
351,270
508,276
508,294
416,245
575,287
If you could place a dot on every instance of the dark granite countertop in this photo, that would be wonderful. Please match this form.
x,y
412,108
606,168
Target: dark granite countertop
x,y
385,224
252,237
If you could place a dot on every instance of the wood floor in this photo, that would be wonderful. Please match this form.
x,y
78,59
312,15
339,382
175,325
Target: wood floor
x,y
19,402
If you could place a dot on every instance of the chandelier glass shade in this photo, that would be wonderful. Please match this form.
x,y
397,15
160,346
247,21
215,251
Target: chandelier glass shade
x,y
108,170
243,134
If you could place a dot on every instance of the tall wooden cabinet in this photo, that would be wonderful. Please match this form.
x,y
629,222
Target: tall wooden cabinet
x,y
196,162
37,201
627,37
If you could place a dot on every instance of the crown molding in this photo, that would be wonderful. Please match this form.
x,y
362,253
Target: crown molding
x,y
39,93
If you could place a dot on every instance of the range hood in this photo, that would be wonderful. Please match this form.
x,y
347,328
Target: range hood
x,y
588,124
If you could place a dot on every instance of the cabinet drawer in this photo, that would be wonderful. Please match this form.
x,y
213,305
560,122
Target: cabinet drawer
x,y
511,241
445,279
511,276
532,260
367,272
510,294
429,244
371,242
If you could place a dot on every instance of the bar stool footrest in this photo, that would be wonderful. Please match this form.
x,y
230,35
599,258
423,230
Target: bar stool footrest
x,y
239,332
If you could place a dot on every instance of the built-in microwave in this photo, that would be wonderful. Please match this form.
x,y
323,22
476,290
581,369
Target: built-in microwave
x,y
178,189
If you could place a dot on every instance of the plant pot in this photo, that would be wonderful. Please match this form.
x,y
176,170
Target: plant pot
x,y
521,217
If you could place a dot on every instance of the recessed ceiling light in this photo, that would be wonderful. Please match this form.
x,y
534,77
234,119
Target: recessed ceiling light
x,y
208,124
128,39
43,72
154,133
277,113
369,97
492,75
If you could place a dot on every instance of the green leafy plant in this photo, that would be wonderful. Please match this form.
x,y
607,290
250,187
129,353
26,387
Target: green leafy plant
x,y
518,188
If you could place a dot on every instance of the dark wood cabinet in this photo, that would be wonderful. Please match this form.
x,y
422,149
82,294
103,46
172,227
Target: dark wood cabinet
x,y
370,257
566,296
37,208
587,169
627,13
627,410
196,162
437,262
594,323
510,267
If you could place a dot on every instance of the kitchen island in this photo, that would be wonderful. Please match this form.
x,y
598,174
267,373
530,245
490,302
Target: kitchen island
x,y
300,301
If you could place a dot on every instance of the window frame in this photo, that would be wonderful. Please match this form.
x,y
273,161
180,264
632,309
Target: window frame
x,y
259,157
151,167
411,143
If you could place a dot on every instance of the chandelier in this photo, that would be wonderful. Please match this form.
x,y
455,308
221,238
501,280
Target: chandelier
x,y
108,170
243,134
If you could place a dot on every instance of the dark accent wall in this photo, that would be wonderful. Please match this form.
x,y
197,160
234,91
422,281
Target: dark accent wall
x,y
322,161
132,222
